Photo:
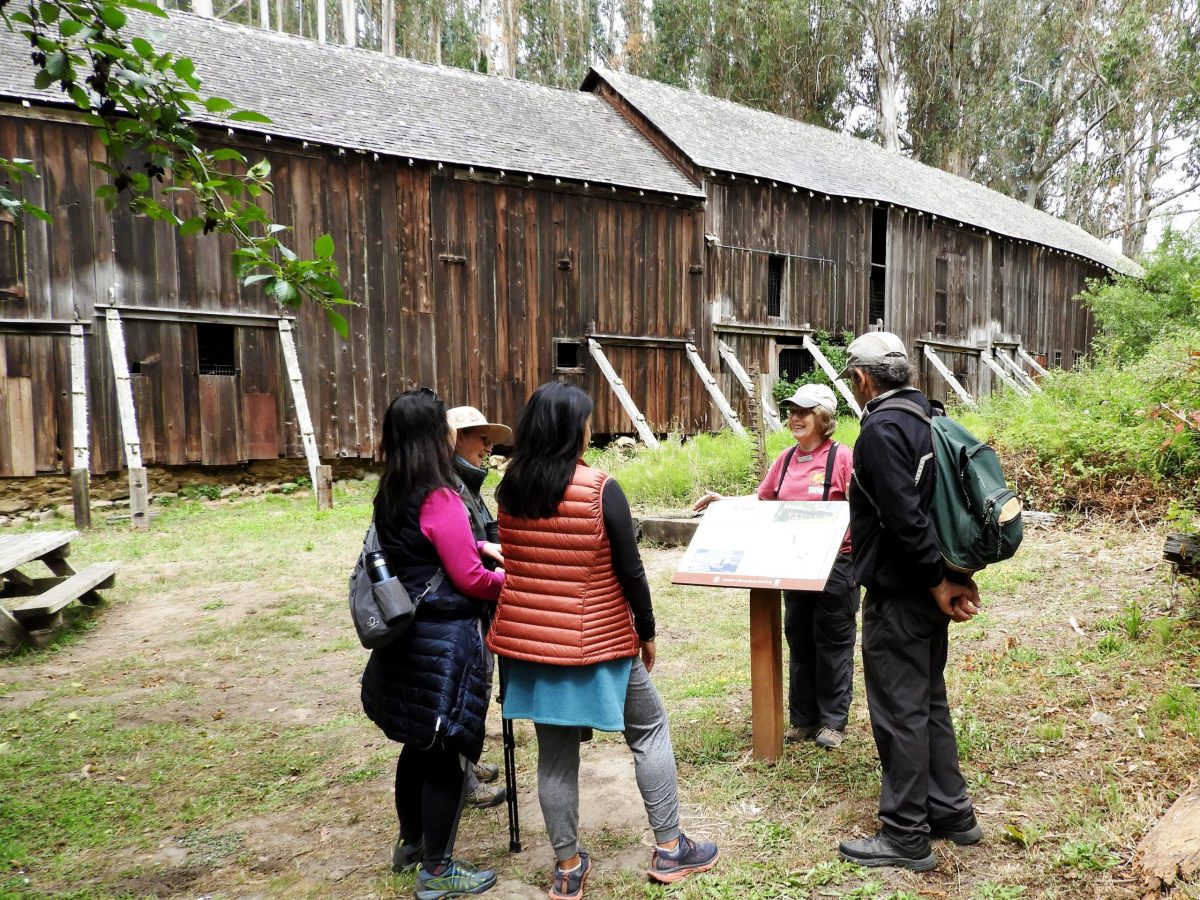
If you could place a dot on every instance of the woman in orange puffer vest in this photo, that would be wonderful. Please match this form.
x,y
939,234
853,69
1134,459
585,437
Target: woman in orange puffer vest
x,y
575,628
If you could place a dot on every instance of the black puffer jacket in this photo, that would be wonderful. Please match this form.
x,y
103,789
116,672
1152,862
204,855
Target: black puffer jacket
x,y
429,687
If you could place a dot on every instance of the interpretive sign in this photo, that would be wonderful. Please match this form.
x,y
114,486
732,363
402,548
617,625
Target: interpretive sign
x,y
748,543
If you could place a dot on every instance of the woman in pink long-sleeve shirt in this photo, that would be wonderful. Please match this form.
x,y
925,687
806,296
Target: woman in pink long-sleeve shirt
x,y
428,690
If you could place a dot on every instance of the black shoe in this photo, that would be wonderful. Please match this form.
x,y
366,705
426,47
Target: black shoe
x,y
883,851
969,832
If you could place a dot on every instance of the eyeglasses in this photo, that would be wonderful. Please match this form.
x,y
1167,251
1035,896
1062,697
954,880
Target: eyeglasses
x,y
798,412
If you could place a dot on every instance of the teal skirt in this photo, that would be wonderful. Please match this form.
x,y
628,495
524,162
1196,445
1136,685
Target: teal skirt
x,y
587,696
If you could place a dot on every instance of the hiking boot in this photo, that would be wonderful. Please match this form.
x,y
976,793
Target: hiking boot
x,y
798,734
688,858
568,883
485,796
486,771
407,856
881,850
829,738
969,832
455,880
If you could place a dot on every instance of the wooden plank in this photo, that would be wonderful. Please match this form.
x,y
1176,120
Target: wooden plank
x,y
17,451
260,416
80,452
843,388
81,497
18,549
618,387
1018,372
766,673
299,401
932,356
1033,363
219,428
13,632
97,575
139,498
710,384
987,360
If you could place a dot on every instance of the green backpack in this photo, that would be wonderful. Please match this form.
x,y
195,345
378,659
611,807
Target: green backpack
x,y
977,516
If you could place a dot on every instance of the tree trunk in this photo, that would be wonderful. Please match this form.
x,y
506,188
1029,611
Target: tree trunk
x,y
264,14
349,23
203,8
389,27
322,30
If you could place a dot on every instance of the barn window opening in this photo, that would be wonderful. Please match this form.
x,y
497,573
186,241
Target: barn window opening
x,y
12,257
1058,359
794,362
775,266
568,356
214,344
877,305
941,308
1077,358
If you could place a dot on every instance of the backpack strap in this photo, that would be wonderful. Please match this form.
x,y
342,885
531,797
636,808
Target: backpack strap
x,y
829,461
907,405
787,461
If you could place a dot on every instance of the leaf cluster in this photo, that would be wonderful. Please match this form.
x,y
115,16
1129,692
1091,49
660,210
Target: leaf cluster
x,y
142,102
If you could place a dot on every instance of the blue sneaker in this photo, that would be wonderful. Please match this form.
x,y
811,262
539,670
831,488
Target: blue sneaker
x,y
568,884
456,880
690,857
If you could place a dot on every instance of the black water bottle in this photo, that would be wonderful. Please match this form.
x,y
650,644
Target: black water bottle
x,y
377,567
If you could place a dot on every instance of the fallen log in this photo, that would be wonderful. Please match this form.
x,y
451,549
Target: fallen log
x,y
1171,849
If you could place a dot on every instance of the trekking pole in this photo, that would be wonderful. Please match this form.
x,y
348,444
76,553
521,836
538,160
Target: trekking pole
x,y
510,770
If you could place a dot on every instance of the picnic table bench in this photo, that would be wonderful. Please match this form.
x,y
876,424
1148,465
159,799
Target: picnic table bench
x,y
29,604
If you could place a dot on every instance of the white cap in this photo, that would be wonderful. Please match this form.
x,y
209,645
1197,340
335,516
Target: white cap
x,y
812,395
461,417
874,348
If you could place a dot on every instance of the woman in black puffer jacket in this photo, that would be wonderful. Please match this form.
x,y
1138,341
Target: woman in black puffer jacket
x,y
428,690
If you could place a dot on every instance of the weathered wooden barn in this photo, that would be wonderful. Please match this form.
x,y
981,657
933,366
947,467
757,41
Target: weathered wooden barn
x,y
809,229
496,234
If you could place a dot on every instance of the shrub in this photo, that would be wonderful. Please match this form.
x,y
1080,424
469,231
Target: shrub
x,y
834,350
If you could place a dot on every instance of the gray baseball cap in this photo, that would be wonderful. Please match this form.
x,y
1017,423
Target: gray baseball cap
x,y
873,349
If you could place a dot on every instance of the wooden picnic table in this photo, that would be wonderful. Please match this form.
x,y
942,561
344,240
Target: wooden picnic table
x,y
31,604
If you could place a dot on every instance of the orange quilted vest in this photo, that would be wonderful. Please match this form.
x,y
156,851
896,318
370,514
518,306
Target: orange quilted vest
x,y
561,602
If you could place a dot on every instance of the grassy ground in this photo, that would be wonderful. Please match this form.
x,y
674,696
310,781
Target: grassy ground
x,y
200,734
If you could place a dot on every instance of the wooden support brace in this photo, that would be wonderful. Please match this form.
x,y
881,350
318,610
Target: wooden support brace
x,y
931,355
710,385
770,416
1017,371
843,388
618,387
324,487
139,498
986,358
1033,363
13,632
81,500
303,419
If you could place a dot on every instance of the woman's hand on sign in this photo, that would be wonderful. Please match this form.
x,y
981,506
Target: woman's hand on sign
x,y
702,504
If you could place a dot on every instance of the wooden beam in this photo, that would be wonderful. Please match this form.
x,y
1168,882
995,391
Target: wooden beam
x,y
634,340
762,330
986,359
710,385
931,355
1033,363
299,400
80,450
209,316
770,416
829,370
766,674
1018,372
139,498
618,387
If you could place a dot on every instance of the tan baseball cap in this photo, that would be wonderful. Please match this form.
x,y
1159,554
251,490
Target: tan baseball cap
x,y
874,348
812,395
461,417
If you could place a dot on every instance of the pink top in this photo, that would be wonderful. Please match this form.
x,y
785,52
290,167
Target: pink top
x,y
444,521
805,477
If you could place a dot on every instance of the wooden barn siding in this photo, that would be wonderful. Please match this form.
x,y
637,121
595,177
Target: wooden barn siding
x,y
515,268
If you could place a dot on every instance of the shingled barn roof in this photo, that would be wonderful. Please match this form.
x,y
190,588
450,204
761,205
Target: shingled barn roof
x,y
723,136
363,100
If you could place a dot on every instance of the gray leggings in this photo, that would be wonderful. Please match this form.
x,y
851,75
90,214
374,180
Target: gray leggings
x,y
648,736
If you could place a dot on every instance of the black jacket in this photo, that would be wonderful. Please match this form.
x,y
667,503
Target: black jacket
x,y
430,686
894,543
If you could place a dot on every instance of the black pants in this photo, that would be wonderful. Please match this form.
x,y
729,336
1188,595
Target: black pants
x,y
430,788
904,662
819,627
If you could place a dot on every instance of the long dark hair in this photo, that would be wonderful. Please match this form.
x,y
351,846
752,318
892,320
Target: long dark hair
x,y
415,450
547,445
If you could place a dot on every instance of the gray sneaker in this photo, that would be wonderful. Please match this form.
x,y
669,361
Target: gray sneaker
x,y
688,858
829,738
799,734
406,857
485,796
486,771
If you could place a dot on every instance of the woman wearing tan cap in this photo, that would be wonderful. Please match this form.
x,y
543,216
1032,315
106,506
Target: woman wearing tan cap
x,y
474,437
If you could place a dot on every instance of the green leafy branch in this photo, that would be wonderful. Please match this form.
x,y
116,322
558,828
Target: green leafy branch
x,y
141,101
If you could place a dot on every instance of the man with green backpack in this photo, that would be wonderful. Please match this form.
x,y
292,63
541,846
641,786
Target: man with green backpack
x,y
912,595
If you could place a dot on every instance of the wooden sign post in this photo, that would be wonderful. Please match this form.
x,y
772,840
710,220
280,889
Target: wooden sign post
x,y
768,547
